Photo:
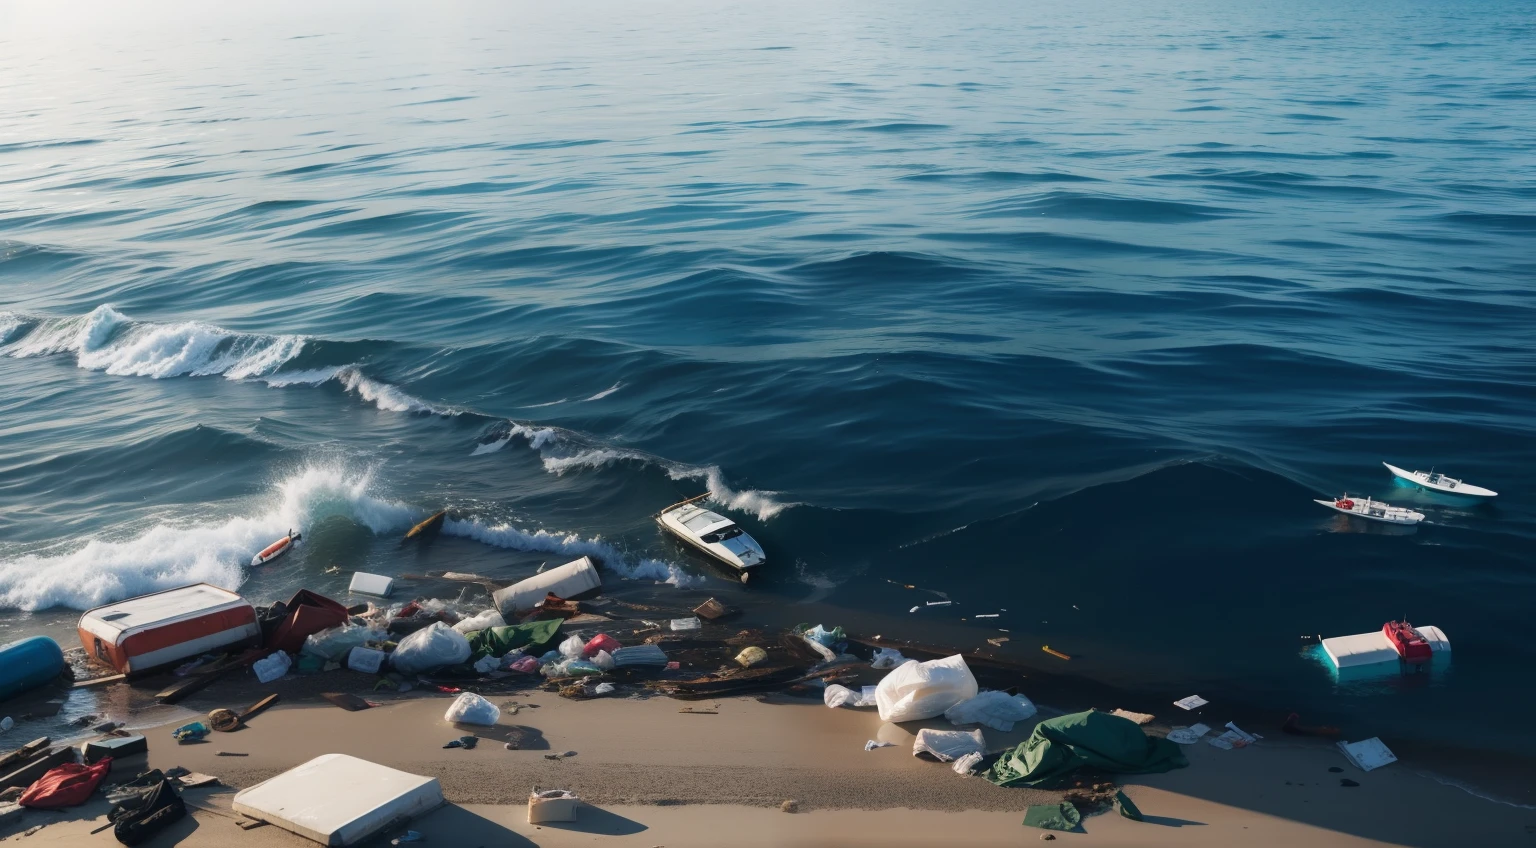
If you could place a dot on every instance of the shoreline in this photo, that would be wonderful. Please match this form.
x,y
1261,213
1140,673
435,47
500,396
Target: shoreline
x,y
653,775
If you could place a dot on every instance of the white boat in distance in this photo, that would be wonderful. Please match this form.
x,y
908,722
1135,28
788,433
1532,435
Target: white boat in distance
x,y
713,534
1374,510
1440,483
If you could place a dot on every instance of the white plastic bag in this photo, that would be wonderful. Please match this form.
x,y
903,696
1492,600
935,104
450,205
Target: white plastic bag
x,y
887,658
334,643
685,624
470,708
603,660
840,696
967,764
947,745
573,648
484,621
997,710
271,668
429,648
366,660
914,690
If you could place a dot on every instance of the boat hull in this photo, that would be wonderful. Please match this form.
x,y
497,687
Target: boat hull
x,y
1410,519
1461,489
273,551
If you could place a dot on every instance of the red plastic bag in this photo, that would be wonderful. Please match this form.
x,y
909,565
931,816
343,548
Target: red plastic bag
x,y
66,786
601,642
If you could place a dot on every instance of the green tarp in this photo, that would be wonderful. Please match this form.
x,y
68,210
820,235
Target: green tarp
x,y
534,636
1092,739
1061,816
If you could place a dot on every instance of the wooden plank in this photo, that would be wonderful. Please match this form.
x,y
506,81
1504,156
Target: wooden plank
x,y
22,754
178,691
99,681
29,773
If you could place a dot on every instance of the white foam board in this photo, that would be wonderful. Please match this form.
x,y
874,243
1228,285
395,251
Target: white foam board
x,y
1360,649
339,800
364,583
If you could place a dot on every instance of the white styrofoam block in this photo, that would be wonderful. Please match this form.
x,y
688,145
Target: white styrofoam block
x,y
339,800
364,583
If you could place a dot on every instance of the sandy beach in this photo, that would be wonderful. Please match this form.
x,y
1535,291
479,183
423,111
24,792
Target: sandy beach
x,y
652,774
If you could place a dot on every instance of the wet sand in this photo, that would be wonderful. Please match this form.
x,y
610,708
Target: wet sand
x,y
656,776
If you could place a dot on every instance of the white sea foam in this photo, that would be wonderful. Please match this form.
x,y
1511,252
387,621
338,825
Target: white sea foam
x,y
106,340
606,392
309,377
172,553
571,545
562,451
385,396
10,322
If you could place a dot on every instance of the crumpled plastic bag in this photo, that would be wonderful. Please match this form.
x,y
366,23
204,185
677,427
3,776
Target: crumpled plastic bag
x,y
429,648
272,667
526,665
997,710
601,642
914,690
887,658
948,745
602,660
481,621
487,664
967,764
334,643
841,696
470,708
824,637
573,648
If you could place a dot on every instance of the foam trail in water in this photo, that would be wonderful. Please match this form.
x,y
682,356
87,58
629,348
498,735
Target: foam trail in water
x,y
606,392
568,451
172,554
571,545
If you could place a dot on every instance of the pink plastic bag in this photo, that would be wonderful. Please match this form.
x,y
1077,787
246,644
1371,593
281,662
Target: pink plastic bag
x,y
527,665
601,642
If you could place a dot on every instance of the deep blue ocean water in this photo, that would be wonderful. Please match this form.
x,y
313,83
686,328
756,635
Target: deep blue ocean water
x,y
1066,311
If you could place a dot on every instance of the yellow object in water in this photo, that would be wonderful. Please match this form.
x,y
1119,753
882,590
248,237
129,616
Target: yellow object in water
x,y
1047,649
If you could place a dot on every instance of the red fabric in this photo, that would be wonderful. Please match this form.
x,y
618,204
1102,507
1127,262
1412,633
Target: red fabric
x,y
66,786
308,613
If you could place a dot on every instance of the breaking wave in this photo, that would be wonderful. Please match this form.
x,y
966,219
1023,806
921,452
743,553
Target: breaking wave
x,y
562,450
174,554
569,544
106,340
385,396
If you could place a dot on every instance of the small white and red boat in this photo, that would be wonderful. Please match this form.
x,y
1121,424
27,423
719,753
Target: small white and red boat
x,y
276,549
1373,510
1409,643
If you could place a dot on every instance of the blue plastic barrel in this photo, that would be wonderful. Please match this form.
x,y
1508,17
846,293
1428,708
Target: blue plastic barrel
x,y
27,664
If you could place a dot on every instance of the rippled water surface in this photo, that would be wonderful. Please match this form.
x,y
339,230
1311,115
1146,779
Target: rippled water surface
x,y
1064,310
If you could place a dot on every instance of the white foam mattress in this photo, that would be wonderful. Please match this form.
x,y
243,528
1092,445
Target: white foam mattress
x,y
339,800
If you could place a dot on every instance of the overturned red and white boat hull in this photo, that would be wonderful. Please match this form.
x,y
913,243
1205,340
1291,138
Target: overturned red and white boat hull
x,y
274,550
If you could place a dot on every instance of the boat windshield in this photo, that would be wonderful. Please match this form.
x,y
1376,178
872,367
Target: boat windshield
x,y
721,535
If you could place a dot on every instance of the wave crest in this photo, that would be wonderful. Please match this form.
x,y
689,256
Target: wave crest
x,y
569,544
174,554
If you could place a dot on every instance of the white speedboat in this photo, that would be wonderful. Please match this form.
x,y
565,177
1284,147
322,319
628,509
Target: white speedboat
x,y
1440,483
713,534
276,549
1374,510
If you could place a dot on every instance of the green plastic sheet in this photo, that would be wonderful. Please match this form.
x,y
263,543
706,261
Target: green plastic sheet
x,y
1061,816
534,636
1127,807
1092,739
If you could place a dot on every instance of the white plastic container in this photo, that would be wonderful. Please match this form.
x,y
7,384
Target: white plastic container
x,y
552,805
378,585
566,581
366,660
